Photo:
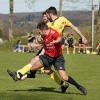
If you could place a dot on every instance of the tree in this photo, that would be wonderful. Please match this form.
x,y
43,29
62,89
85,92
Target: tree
x,y
11,19
0,32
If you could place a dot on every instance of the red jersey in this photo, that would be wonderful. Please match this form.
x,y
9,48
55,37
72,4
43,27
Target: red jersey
x,y
52,50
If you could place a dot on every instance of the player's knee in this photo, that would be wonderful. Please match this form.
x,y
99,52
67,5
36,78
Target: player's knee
x,y
34,60
48,72
64,77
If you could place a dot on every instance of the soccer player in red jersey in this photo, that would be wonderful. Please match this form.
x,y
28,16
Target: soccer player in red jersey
x,y
52,74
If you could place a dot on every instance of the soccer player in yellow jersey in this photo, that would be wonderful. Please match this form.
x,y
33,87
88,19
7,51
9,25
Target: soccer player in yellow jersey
x,y
59,23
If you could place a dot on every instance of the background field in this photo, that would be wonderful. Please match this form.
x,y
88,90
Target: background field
x,y
84,68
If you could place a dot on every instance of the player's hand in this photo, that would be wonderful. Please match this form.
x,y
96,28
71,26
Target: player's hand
x,y
52,42
84,40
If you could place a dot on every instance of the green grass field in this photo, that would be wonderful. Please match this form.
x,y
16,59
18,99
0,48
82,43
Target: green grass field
x,y
84,68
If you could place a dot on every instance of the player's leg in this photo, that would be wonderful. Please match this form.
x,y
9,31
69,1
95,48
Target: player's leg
x,y
27,68
70,80
19,73
59,64
53,75
32,74
64,85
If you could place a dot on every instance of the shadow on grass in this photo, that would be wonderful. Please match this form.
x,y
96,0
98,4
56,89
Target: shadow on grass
x,y
46,89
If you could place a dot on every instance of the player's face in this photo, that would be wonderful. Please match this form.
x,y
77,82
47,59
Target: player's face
x,y
42,32
48,16
45,18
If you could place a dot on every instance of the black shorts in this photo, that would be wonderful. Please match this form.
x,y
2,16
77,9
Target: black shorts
x,y
57,62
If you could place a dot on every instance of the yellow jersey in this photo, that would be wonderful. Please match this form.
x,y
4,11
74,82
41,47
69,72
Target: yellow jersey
x,y
59,24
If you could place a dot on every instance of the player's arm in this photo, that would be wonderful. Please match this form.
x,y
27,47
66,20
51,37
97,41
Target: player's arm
x,y
69,24
36,45
79,33
57,40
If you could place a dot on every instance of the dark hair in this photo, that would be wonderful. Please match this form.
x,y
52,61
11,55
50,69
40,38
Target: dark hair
x,y
44,13
42,26
47,10
18,41
52,10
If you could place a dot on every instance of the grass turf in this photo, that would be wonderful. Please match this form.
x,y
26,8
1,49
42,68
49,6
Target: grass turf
x,y
84,68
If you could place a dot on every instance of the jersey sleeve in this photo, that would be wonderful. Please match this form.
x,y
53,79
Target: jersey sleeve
x,y
49,24
56,35
66,21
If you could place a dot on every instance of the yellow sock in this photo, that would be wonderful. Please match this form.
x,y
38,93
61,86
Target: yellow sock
x,y
42,70
55,77
25,69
